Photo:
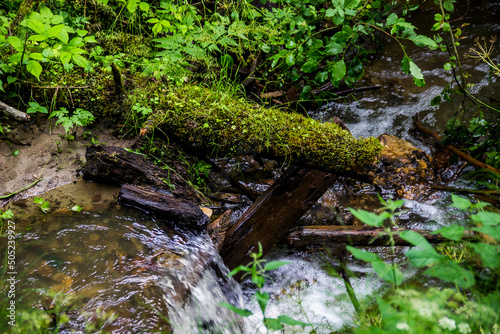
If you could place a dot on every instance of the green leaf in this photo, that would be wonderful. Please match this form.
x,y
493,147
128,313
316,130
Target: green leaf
x,y
34,68
391,19
333,48
36,56
309,66
423,257
415,71
272,265
37,38
421,41
7,214
265,48
46,12
56,19
90,39
284,319
237,269
492,231
144,6
370,218
486,218
321,76
80,61
239,311
415,239
363,255
337,71
273,324
262,299
454,232
15,153
38,200
16,43
490,254
450,271
37,26
405,64
76,208
63,36
132,5
460,202
387,272
290,59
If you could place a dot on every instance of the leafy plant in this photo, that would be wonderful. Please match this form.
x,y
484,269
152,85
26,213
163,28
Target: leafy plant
x,y
257,269
80,117
42,204
4,215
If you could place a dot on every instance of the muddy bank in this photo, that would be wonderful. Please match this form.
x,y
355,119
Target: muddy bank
x,y
43,154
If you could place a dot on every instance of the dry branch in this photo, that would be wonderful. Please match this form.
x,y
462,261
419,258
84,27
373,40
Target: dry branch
x,y
14,113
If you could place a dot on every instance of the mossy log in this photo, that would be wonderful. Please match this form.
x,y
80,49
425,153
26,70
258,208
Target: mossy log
x,y
220,125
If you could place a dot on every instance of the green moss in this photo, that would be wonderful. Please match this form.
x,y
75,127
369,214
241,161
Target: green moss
x,y
222,125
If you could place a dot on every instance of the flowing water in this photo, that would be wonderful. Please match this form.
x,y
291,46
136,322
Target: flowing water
x,y
120,261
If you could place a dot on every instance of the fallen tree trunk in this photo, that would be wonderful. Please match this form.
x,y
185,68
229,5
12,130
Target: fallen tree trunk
x,y
115,165
335,236
220,125
14,113
270,218
166,207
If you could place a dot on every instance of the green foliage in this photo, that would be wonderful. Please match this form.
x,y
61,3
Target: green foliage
x,y
79,117
4,215
42,204
36,108
472,266
257,269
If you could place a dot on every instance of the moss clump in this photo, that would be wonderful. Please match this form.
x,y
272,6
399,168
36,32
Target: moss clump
x,y
222,125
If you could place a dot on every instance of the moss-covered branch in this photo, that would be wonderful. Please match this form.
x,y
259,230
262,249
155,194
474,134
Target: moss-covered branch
x,y
222,125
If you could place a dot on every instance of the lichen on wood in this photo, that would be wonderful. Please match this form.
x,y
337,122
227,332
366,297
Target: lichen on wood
x,y
221,125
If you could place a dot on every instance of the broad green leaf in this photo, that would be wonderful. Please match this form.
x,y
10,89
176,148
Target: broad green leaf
x,y
273,324
370,218
37,38
460,202
81,32
487,218
16,43
337,71
132,5
55,30
63,36
76,41
36,56
15,58
144,6
416,239
239,311
492,231
450,271
421,40
415,71
38,200
90,39
405,64
56,19
490,254
391,19
387,272
46,12
7,214
48,53
275,265
290,59
321,76
34,68
333,49
454,232
265,48
284,319
262,299
15,153
309,66
423,257
363,255
37,26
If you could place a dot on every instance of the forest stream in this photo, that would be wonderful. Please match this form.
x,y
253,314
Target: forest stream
x,y
110,259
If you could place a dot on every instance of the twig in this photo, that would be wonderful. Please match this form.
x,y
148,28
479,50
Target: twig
x,y
250,77
20,190
452,148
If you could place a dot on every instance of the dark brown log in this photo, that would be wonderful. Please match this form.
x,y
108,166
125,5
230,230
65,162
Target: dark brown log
x,y
217,229
115,165
270,218
166,207
335,236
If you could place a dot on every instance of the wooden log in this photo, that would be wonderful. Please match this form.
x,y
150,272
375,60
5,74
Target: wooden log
x,y
270,218
14,113
115,165
166,207
335,236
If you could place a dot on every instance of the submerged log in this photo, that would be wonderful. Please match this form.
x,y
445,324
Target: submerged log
x,y
166,207
115,165
335,236
270,218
